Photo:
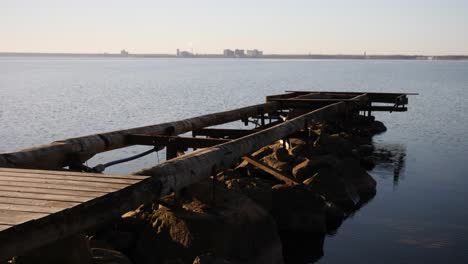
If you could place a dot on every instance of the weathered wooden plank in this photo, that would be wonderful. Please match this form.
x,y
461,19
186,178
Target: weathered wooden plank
x,y
44,203
65,177
72,173
59,186
51,191
43,196
63,182
275,173
14,217
30,208
3,227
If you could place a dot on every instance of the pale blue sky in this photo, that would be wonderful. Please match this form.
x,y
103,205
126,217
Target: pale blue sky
x,y
431,27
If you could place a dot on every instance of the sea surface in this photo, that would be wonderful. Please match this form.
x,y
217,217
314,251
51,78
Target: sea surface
x,y
420,211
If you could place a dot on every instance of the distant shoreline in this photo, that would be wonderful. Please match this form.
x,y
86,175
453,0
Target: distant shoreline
x,y
219,56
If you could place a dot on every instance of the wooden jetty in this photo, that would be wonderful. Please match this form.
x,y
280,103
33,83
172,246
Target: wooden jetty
x,y
47,193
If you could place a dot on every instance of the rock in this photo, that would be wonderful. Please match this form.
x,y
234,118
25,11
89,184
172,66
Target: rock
x,y
302,247
303,170
308,168
282,154
210,259
331,185
313,135
324,161
334,144
103,253
296,208
298,151
74,250
232,227
257,189
377,127
350,167
296,142
368,162
281,166
365,150
364,185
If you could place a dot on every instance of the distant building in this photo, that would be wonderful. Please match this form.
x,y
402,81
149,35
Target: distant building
x,y
184,54
124,53
239,53
228,53
178,53
254,53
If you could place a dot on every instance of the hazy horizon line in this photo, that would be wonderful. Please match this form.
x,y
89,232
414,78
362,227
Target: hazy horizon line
x,y
221,54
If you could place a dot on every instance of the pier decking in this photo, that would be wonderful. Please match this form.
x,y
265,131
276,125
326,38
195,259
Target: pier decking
x,y
40,202
27,194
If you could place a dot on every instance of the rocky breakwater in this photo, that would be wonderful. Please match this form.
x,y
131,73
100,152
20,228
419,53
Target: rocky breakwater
x,y
329,165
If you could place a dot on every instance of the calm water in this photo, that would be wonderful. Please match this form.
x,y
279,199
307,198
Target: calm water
x,y
420,213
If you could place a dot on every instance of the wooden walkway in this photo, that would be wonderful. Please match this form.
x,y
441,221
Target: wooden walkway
x,y
27,195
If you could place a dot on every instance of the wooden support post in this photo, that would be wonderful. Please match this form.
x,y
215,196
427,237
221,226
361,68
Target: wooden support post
x,y
171,151
275,173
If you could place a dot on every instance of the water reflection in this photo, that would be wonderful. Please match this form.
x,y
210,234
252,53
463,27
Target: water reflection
x,y
390,157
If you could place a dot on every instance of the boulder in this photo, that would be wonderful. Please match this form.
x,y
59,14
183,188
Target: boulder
x,y
257,189
303,170
231,227
334,144
365,150
299,151
282,154
74,250
104,253
296,208
211,259
282,166
377,127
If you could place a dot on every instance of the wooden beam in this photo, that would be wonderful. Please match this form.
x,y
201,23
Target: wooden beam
x,y
178,142
275,173
385,109
223,132
306,103
284,95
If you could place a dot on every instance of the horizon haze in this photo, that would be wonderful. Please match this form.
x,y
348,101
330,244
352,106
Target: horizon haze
x,y
431,27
